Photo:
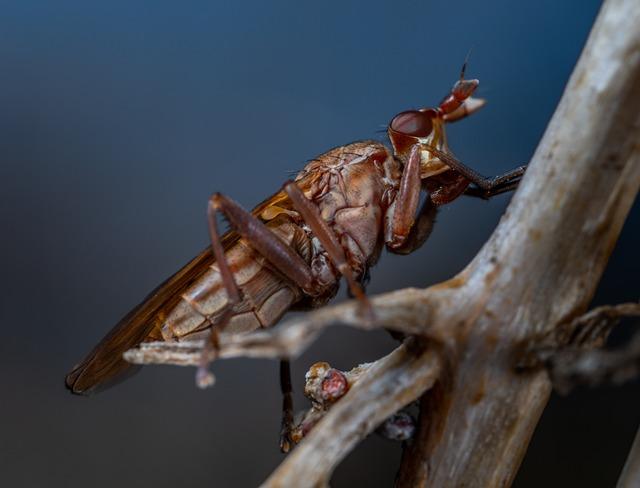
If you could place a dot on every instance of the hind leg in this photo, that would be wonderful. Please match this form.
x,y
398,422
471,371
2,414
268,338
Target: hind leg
x,y
280,256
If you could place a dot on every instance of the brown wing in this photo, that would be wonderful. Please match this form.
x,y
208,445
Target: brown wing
x,y
104,365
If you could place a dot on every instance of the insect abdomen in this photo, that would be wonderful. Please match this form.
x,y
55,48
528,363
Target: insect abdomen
x,y
266,295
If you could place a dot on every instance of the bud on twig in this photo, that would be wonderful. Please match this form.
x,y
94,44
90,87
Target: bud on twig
x,y
325,385
399,427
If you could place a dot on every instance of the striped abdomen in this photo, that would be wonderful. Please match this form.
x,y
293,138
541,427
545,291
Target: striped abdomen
x,y
266,294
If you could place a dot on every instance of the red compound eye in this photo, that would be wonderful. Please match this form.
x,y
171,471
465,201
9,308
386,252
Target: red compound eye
x,y
413,123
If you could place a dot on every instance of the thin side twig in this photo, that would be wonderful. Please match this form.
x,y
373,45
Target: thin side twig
x,y
585,332
407,310
592,329
571,355
572,367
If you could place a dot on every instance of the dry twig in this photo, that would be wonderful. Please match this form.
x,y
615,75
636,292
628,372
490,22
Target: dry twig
x,y
571,356
402,310
572,367
590,330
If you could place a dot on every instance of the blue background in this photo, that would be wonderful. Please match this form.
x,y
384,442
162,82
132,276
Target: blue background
x,y
119,119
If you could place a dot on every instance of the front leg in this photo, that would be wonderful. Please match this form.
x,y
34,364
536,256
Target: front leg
x,y
491,186
421,229
400,217
477,192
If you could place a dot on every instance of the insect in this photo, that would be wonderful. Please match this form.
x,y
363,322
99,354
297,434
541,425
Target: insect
x,y
292,249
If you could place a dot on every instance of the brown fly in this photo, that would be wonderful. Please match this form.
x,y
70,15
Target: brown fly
x,y
292,249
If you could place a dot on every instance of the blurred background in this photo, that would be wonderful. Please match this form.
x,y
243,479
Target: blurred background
x,y
119,119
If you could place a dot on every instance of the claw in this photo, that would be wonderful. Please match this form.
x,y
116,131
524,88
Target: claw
x,y
204,378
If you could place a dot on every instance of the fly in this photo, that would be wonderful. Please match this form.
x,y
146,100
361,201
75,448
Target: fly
x,y
331,221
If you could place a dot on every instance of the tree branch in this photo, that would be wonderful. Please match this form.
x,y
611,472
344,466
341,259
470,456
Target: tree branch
x,y
542,264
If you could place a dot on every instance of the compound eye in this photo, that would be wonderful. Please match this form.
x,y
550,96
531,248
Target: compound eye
x,y
413,123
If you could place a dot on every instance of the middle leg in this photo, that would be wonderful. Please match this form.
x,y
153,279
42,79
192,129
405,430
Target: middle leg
x,y
287,405
310,214
402,233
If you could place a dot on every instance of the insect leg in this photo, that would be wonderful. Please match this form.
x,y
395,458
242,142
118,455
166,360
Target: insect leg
x,y
484,183
401,217
363,281
281,257
266,243
287,405
503,183
329,241
474,191
454,185
421,229
204,377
